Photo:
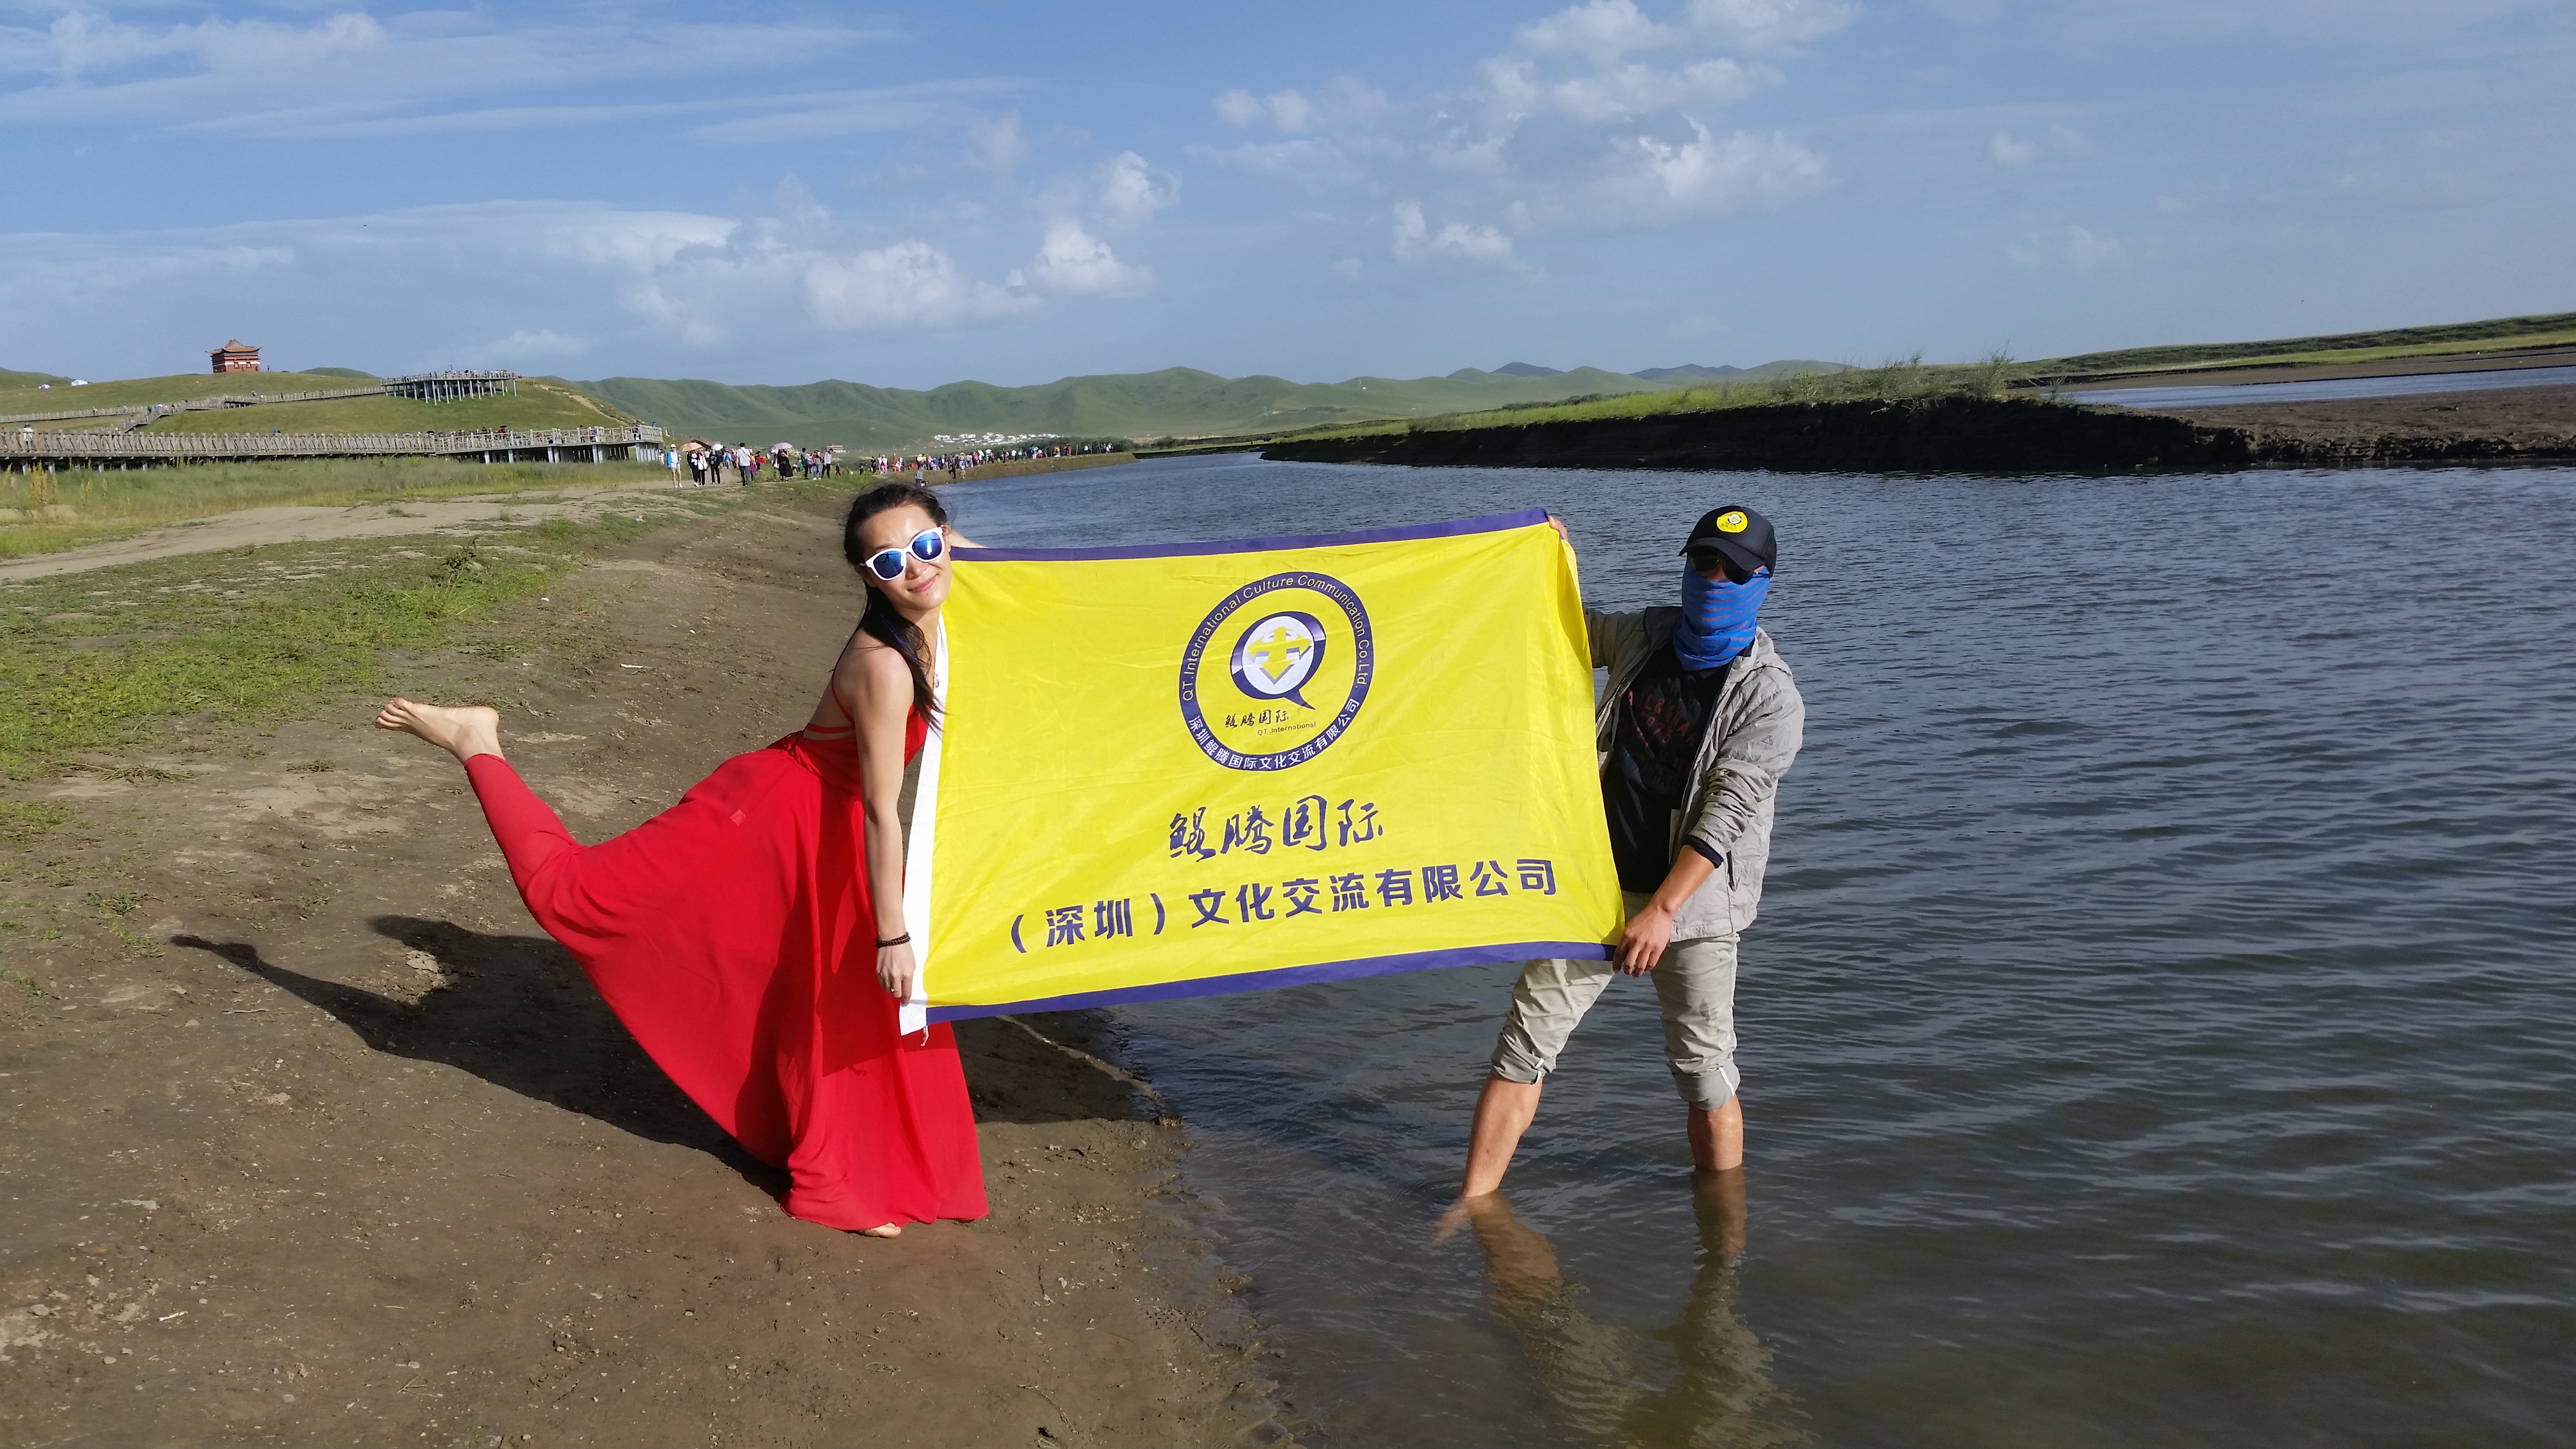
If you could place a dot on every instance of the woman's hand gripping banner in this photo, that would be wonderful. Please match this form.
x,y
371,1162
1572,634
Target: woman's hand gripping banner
x,y
1180,770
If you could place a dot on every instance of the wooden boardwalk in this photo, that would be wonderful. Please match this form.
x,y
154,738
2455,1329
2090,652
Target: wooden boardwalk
x,y
25,447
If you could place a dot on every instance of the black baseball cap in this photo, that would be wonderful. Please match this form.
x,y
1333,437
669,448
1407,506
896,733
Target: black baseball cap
x,y
1739,533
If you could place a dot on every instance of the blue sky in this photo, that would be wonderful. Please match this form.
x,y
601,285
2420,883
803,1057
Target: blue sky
x,y
1020,192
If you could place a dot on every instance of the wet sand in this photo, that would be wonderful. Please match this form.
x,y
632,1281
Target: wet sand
x,y
2536,421
317,1139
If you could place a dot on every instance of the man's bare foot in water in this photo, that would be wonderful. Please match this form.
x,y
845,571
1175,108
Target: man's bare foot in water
x,y
463,730
887,1230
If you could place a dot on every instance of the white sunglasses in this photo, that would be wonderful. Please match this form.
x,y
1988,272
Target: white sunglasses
x,y
889,564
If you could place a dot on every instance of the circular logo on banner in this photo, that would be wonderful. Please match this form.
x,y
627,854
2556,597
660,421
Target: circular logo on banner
x,y
1277,671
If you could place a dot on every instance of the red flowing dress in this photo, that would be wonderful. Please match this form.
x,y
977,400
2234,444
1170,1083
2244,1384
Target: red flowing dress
x,y
734,936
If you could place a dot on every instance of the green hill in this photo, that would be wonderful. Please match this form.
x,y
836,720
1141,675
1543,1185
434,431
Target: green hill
x,y
539,403
1176,402
12,380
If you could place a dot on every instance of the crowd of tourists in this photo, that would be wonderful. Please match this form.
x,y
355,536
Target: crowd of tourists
x,y
700,464
922,465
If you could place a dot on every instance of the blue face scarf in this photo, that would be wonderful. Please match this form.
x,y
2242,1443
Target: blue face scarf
x,y
1717,618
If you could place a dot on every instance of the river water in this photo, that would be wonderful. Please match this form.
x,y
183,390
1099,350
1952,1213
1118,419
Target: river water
x,y
2161,1027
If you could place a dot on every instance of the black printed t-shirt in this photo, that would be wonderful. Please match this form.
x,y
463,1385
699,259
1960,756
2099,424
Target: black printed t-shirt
x,y
1662,720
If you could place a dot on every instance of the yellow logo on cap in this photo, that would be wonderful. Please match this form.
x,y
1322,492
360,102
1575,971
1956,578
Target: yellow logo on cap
x,y
1730,522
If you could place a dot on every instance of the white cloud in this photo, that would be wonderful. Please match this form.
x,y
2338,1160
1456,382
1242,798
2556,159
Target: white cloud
x,y
995,145
1127,190
2075,248
2055,142
1769,24
524,346
1073,262
2093,26
357,74
1286,110
1604,31
37,268
1600,117
550,280
911,284
1622,93
1413,239
1716,175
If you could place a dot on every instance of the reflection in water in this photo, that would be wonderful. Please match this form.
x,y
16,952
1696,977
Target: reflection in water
x,y
1601,1378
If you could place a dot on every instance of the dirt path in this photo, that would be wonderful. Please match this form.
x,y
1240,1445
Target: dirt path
x,y
314,1138
315,525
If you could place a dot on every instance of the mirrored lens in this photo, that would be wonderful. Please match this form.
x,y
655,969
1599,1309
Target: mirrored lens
x,y
888,565
928,544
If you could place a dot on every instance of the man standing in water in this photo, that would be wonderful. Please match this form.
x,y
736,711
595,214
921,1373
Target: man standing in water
x,y
1699,722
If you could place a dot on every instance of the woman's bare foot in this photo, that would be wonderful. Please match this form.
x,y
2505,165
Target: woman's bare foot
x,y
463,730
883,1230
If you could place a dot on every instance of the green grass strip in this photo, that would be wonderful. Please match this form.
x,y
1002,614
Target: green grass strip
x,y
92,661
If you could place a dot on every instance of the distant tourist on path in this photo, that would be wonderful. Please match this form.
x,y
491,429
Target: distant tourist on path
x,y
1700,720
752,937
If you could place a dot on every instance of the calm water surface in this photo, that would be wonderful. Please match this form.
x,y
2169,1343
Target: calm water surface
x,y
2160,1029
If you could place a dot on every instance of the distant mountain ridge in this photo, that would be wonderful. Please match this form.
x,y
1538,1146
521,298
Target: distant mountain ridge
x,y
1177,402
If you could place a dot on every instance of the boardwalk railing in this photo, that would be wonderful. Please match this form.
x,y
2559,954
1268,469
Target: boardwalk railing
x,y
24,445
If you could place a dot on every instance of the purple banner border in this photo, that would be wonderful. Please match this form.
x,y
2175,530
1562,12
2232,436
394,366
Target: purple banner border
x,y
1496,523
1289,976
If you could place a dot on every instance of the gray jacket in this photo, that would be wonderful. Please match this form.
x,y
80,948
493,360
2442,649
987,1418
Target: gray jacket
x,y
1753,735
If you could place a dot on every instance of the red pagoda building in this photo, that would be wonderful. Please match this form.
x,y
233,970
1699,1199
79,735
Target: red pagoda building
x,y
233,356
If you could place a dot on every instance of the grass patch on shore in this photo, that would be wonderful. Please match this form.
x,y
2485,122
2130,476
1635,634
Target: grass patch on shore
x,y
113,658
107,503
2491,334
535,405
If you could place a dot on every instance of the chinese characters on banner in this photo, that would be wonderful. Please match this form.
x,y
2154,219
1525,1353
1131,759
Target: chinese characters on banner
x,y
1219,767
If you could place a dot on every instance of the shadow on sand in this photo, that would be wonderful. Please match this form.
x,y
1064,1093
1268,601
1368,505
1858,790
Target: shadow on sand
x,y
516,1012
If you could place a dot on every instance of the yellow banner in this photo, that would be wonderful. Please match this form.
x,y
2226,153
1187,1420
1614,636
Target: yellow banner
x,y
1172,771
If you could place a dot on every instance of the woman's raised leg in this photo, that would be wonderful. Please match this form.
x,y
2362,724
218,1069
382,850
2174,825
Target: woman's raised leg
x,y
530,834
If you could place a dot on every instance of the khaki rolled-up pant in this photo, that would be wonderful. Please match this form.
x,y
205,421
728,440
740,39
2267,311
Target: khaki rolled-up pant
x,y
1694,981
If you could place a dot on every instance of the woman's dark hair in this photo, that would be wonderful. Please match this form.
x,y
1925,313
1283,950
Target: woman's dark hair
x,y
881,621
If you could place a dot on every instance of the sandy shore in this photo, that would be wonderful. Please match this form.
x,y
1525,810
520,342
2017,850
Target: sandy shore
x,y
315,1139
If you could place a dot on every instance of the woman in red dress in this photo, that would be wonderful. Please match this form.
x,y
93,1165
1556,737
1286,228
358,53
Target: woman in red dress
x,y
752,936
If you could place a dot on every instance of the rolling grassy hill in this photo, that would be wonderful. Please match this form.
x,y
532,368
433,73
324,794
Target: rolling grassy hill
x,y
540,403
1177,402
